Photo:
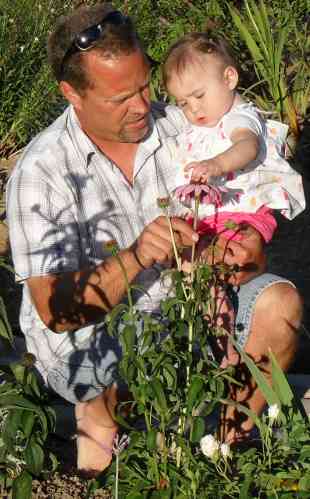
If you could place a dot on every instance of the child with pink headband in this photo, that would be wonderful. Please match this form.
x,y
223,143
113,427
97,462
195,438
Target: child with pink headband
x,y
227,142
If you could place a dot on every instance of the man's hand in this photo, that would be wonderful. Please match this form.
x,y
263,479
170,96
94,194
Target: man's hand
x,y
248,254
154,245
203,171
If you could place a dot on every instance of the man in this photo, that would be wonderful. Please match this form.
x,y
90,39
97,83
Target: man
x,y
95,175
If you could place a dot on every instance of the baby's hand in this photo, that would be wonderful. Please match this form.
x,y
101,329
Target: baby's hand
x,y
202,171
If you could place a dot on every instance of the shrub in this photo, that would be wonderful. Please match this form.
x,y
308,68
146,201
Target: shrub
x,y
28,92
26,418
28,96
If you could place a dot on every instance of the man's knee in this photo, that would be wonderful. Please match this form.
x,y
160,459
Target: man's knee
x,y
275,324
281,301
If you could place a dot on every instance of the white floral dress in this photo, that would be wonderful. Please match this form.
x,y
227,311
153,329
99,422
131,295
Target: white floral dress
x,y
269,181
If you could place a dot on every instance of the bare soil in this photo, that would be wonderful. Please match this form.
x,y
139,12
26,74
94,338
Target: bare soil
x,y
65,483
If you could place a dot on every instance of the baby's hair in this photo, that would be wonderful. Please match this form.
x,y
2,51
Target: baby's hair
x,y
186,49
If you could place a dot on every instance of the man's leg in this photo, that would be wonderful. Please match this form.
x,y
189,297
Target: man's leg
x,y
87,377
96,430
274,324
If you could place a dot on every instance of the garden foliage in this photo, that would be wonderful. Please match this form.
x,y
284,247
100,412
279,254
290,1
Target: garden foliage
x,y
26,419
175,386
176,447
273,50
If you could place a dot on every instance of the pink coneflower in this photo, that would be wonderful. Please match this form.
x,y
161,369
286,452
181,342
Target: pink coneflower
x,y
207,194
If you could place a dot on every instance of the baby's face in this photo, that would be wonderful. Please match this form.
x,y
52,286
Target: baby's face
x,y
204,90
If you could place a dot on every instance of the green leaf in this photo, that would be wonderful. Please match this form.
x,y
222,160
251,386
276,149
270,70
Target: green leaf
x,y
28,420
282,40
123,421
54,461
198,429
245,488
135,495
304,483
168,304
12,424
113,318
161,494
22,486
194,390
304,454
280,383
141,289
146,341
251,414
5,328
151,439
158,361
19,371
128,336
160,397
19,402
248,38
170,375
262,383
34,457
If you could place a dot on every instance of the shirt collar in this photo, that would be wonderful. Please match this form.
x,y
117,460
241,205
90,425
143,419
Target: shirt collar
x,y
160,129
82,142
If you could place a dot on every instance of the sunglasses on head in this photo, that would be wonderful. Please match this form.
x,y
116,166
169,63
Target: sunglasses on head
x,y
90,36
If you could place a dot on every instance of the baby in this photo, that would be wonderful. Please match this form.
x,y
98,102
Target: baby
x,y
227,142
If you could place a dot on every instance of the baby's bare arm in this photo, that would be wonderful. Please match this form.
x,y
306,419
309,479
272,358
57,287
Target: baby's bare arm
x,y
244,149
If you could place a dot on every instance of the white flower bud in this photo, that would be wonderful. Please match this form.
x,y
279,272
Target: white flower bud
x,y
225,451
273,412
209,446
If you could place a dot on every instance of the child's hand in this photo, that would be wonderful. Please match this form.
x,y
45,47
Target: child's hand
x,y
202,171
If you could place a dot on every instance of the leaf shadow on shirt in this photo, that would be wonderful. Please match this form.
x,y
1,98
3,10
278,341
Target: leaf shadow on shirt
x,y
92,363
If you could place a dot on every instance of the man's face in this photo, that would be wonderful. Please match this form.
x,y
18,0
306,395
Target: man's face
x,y
117,105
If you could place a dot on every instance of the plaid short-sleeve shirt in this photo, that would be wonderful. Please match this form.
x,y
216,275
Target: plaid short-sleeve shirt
x,y
65,199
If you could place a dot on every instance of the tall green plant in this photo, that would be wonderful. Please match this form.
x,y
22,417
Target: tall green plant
x,y
267,40
5,328
28,96
174,451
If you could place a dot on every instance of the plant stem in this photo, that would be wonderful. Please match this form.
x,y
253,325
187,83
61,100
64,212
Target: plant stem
x,y
190,349
175,250
181,426
116,476
194,242
129,295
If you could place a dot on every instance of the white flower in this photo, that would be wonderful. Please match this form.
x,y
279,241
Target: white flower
x,y
36,39
22,48
225,451
273,412
209,446
160,440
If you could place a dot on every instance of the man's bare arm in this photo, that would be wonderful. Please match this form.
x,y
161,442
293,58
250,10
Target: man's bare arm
x,y
71,300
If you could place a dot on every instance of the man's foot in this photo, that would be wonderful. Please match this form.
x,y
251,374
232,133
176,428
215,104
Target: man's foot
x,y
94,442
